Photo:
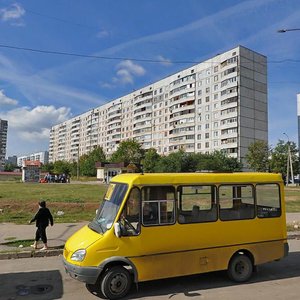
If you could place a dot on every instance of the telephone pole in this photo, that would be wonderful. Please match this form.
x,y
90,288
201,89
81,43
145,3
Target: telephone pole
x,y
289,165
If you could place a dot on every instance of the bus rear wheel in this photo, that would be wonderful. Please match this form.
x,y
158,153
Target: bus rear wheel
x,y
240,268
116,282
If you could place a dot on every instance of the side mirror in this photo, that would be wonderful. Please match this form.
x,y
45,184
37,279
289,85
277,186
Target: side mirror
x,y
117,229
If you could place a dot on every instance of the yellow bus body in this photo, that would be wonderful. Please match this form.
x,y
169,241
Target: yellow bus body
x,y
181,249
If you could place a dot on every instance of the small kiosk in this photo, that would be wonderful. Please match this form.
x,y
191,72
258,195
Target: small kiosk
x,y
31,171
105,171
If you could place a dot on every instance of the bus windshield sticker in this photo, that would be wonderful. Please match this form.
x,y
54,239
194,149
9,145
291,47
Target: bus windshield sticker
x,y
109,191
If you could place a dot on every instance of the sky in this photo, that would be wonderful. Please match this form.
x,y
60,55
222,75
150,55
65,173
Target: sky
x,y
105,45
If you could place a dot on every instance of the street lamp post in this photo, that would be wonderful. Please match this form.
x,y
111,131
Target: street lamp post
x,y
289,163
286,30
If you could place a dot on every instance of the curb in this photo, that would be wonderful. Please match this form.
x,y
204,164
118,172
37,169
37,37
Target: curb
x,y
29,254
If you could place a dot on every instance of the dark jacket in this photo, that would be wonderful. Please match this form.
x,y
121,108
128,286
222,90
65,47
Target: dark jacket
x,y
42,217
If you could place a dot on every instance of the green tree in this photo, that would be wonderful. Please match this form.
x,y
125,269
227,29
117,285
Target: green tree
x,y
150,160
87,162
48,167
9,167
218,161
189,162
129,151
171,163
258,156
62,167
280,155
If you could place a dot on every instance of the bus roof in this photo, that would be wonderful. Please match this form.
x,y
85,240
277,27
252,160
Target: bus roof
x,y
195,178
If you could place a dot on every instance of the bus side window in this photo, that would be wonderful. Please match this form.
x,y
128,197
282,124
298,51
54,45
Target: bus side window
x,y
158,205
130,218
197,204
236,202
268,200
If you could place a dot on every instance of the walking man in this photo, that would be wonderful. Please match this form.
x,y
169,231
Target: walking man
x,y
42,219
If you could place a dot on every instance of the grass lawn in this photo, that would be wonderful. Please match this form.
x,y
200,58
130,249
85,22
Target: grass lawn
x,y
78,202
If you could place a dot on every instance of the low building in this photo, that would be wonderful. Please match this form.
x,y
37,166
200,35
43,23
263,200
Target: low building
x,y
31,171
105,171
42,156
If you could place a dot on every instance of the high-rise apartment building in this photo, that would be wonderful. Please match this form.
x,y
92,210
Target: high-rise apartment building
x,y
3,140
219,104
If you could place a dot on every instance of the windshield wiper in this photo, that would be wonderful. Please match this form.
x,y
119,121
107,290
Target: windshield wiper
x,y
94,225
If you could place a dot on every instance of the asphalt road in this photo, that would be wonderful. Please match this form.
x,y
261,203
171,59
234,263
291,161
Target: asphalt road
x,y
45,279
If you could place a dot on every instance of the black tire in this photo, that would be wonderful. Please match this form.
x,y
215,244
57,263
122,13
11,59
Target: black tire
x,y
240,268
116,282
95,290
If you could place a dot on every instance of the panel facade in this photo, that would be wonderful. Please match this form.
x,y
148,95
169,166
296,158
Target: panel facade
x,y
209,106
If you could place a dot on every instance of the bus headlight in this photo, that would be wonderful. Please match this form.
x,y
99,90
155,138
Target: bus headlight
x,y
78,255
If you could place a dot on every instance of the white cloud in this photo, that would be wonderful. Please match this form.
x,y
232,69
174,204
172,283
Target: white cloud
x,y
4,100
29,128
126,70
164,61
131,67
13,13
34,123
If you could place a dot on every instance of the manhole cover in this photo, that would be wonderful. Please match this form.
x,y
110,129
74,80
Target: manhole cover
x,y
23,291
41,289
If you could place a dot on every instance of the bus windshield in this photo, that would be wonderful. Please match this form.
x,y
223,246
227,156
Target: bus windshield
x,y
109,207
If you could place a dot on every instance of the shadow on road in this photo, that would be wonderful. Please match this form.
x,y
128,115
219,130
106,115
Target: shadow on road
x,y
41,285
191,286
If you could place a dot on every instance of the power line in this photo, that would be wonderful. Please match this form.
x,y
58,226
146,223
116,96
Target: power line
x,y
95,56
127,58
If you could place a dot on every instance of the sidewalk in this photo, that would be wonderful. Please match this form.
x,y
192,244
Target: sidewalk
x,y
60,232
57,236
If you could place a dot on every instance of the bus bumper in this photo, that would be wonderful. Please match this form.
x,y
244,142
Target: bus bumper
x,y
88,275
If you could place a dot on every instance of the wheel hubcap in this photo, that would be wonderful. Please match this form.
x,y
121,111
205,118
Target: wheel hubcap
x,y
240,268
118,284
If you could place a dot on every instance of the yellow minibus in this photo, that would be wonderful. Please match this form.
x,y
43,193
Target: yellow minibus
x,y
153,226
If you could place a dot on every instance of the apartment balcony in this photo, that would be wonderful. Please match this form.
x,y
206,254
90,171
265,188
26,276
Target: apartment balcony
x,y
183,139
187,113
144,117
114,119
226,135
183,80
143,96
183,106
114,113
143,124
228,125
229,92
181,90
117,124
142,110
143,101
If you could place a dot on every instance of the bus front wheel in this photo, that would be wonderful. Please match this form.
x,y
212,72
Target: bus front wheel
x,y
240,268
116,282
